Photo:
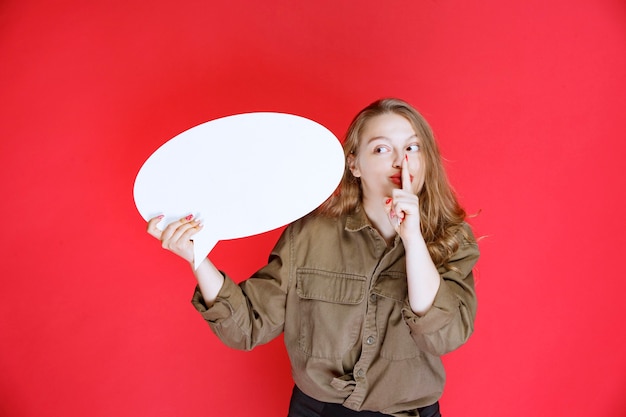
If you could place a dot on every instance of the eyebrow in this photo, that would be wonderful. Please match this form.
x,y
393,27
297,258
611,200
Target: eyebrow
x,y
370,140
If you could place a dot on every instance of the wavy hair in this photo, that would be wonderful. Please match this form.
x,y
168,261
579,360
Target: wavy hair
x,y
441,216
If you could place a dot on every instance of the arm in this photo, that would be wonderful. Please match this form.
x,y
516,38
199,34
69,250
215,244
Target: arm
x,y
242,316
449,322
252,312
423,279
441,303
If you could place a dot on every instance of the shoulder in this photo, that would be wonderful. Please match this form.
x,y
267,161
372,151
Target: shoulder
x,y
316,223
310,239
465,235
467,247
313,229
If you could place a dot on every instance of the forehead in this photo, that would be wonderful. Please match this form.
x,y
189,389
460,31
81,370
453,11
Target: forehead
x,y
390,126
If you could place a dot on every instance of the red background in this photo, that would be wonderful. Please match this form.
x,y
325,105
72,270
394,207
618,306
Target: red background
x,y
527,100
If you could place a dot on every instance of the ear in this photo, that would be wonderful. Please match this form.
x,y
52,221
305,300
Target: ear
x,y
351,160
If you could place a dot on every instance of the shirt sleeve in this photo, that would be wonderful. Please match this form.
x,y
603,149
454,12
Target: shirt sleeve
x,y
251,313
449,322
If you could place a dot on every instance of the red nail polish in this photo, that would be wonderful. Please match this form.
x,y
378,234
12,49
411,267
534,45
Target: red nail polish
x,y
406,157
189,217
388,201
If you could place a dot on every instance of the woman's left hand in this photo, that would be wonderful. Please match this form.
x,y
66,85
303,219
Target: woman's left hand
x,y
403,207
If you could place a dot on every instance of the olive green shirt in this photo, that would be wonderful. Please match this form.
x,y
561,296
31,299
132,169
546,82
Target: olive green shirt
x,y
339,294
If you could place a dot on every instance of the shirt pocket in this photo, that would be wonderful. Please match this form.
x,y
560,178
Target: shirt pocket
x,y
330,310
391,291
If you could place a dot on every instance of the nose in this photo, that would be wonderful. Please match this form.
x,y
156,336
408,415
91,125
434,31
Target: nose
x,y
397,160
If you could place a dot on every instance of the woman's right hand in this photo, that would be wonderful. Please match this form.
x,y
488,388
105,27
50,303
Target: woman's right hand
x,y
176,237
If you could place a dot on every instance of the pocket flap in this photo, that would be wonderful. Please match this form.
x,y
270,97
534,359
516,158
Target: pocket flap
x,y
333,287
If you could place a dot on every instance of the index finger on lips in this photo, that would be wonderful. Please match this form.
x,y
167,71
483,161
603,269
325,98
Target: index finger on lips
x,y
406,175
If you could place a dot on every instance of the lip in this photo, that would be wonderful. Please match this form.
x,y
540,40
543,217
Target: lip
x,y
397,179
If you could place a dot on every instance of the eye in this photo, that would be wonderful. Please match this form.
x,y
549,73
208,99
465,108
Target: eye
x,y
381,149
413,148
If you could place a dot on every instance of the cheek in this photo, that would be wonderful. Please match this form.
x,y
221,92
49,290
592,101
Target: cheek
x,y
418,167
419,175
365,166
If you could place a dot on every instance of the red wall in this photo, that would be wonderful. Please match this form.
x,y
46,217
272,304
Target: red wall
x,y
526,98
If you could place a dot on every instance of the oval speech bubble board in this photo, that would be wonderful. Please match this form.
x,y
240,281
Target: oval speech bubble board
x,y
241,175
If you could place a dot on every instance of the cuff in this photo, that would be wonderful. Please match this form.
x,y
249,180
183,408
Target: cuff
x,y
443,310
223,307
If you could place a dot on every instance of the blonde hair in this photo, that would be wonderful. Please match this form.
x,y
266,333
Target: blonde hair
x,y
441,216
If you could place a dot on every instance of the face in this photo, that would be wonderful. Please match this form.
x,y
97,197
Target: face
x,y
386,140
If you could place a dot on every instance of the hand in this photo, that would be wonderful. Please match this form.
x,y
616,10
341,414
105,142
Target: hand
x,y
403,206
176,237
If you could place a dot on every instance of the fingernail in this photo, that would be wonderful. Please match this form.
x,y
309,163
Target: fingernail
x,y
189,217
160,216
406,157
387,201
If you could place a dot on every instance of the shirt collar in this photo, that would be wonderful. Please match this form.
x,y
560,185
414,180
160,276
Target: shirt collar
x,y
357,221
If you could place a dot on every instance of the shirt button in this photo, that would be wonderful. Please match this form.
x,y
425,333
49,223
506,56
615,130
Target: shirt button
x,y
373,298
370,340
360,373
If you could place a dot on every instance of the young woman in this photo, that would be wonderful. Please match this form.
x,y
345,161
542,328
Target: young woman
x,y
370,290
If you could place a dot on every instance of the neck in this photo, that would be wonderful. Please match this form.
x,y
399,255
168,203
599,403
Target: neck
x,y
377,215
